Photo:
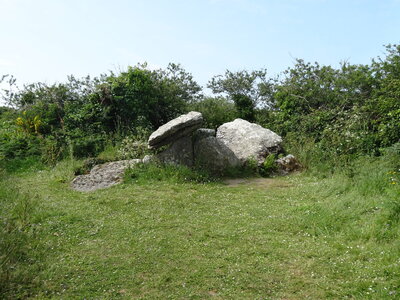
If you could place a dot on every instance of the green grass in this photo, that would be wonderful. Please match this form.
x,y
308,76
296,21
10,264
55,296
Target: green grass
x,y
295,237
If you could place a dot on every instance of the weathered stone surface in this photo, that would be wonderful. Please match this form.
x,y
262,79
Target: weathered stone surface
x,y
248,140
214,155
202,133
288,164
179,153
102,176
148,159
173,130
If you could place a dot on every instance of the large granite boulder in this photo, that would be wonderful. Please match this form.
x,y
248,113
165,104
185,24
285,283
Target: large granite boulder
x,y
179,153
214,155
248,140
182,126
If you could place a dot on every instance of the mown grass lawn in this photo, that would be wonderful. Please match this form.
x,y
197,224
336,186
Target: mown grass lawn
x,y
296,237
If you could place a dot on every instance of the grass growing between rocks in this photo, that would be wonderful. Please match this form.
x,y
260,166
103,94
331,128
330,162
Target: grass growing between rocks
x,y
295,237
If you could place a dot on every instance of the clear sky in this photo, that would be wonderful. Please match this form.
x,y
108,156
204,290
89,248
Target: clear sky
x,y
46,40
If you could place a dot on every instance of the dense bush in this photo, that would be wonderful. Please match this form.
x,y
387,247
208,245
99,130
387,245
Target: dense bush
x,y
347,112
82,116
19,145
215,110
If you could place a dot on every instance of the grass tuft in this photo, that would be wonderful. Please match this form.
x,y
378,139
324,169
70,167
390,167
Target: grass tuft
x,y
153,172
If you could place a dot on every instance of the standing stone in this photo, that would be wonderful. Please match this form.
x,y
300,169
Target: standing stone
x,y
182,126
202,133
248,140
212,154
179,153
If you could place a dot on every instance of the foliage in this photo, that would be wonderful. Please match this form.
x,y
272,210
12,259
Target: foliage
x,y
86,165
78,115
52,150
134,145
246,89
307,234
349,111
18,145
269,166
131,148
215,111
87,145
140,97
28,125
244,107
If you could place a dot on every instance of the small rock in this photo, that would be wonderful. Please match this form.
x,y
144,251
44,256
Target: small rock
x,y
288,164
147,159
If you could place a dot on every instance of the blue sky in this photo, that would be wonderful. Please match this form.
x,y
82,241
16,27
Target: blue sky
x,y
46,40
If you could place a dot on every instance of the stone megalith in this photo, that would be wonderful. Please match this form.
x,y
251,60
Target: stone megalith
x,y
214,155
179,127
248,140
179,153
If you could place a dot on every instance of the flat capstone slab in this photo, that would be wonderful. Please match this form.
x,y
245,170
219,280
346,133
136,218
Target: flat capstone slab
x,y
179,127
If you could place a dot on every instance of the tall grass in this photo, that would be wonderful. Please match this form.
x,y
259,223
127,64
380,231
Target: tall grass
x,y
20,252
365,189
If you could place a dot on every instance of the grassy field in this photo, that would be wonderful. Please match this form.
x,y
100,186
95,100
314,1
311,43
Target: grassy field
x,y
297,237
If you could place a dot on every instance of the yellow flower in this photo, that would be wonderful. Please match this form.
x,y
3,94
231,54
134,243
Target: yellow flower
x,y
20,121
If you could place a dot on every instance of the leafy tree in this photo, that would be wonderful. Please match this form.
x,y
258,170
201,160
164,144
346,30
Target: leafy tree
x,y
384,106
247,90
141,97
308,87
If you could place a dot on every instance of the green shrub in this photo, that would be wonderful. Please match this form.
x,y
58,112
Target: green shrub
x,y
19,145
215,111
269,166
87,146
52,150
